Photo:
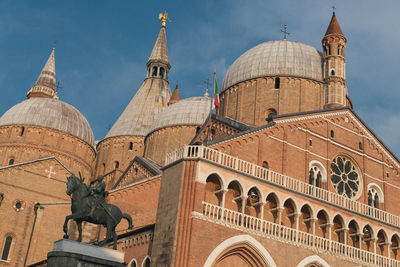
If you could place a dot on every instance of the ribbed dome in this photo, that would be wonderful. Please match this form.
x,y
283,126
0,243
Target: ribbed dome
x,y
49,113
282,58
189,111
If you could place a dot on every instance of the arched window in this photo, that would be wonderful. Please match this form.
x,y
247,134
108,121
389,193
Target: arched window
x,y
360,146
154,72
271,208
277,83
332,134
315,176
253,202
130,145
375,195
22,131
270,114
6,248
212,134
116,164
213,192
265,164
132,263
161,74
11,161
332,72
146,262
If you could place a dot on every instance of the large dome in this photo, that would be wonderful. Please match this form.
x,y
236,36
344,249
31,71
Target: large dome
x,y
275,58
190,111
49,113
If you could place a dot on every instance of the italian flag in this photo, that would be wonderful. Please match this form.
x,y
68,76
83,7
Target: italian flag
x,y
216,92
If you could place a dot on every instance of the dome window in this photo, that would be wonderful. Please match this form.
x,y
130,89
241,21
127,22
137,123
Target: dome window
x,y
11,161
332,134
277,83
6,249
130,145
332,72
22,131
116,165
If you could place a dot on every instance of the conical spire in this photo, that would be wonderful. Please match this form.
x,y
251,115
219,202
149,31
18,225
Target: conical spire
x,y
334,27
175,96
160,49
45,85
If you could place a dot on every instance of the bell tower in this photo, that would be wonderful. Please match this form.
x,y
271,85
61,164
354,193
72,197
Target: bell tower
x,y
334,51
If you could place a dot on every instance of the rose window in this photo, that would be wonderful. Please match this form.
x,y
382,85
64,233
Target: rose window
x,y
344,177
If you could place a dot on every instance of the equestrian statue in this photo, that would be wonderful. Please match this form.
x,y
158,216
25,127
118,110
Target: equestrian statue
x,y
88,204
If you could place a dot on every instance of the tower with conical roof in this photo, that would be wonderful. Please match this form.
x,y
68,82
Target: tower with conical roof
x,y
45,85
125,140
334,46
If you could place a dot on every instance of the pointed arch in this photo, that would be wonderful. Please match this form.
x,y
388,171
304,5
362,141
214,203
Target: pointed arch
x,y
314,259
240,240
146,262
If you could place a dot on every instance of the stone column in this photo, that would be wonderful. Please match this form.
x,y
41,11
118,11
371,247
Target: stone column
x,y
374,244
243,198
329,228
296,216
223,192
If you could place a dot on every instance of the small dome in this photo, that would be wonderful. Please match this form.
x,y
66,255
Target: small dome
x,y
275,58
49,113
189,111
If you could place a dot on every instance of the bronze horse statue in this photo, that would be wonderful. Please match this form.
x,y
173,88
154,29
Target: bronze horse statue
x,y
82,209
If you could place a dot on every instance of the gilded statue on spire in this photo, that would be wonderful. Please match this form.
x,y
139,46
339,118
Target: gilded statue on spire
x,y
163,18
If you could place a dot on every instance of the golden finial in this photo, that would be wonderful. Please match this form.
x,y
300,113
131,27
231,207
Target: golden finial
x,y
163,18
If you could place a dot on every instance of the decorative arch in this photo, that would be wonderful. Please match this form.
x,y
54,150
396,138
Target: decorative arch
x,y
237,181
203,178
146,262
375,191
235,241
320,166
314,259
133,263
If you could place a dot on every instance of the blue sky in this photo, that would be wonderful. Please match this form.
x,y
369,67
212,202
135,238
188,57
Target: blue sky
x,y
102,48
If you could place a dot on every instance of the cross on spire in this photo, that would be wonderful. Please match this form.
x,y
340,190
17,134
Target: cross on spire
x,y
207,83
285,32
333,9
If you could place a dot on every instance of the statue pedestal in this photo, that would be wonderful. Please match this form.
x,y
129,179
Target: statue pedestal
x,y
69,253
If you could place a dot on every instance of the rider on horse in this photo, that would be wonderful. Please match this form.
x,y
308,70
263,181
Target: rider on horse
x,y
98,193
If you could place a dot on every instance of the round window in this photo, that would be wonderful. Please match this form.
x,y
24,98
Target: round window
x,y
19,205
345,177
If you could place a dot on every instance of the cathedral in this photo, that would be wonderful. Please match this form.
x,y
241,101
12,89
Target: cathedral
x,y
281,173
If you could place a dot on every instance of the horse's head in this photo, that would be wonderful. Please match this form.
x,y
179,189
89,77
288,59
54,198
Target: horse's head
x,y
72,184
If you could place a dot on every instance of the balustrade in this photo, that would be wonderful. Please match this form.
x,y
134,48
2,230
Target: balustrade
x,y
212,155
261,227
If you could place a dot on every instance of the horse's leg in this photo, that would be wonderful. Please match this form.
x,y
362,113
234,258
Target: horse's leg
x,y
115,237
109,228
65,227
79,231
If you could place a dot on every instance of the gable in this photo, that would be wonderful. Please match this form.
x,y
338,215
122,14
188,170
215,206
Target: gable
x,y
139,169
45,177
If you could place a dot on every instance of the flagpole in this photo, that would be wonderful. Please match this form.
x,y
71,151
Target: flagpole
x,y
211,104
